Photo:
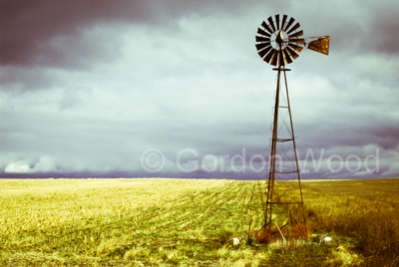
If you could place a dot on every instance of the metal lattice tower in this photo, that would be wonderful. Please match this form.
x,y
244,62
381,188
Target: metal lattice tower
x,y
278,43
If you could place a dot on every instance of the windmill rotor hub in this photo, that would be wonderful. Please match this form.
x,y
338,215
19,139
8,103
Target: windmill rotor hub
x,y
280,37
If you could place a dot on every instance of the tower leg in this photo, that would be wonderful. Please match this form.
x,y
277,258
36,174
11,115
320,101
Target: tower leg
x,y
271,200
295,151
272,158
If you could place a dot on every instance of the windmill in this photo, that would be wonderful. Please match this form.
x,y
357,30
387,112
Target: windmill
x,y
278,43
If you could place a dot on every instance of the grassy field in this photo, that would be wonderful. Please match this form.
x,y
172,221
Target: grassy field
x,y
171,222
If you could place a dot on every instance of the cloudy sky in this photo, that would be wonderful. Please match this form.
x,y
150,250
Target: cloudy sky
x,y
96,88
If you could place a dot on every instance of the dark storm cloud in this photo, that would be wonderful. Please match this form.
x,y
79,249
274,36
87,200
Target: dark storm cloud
x,y
355,27
382,29
386,37
385,134
45,34
29,28
15,79
350,131
50,33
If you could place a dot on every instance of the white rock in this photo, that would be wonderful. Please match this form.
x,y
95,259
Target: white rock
x,y
236,241
326,239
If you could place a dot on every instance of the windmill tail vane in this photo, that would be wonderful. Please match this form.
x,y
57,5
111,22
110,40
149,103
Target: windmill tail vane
x,y
321,45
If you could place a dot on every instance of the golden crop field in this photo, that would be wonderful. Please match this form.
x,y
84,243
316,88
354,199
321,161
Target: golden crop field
x,y
176,222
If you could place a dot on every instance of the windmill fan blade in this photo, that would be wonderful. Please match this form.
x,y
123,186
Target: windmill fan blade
x,y
264,25
297,41
287,57
278,21
300,33
262,39
279,40
294,28
274,58
262,32
262,46
292,53
264,51
270,20
297,48
280,58
269,56
289,24
283,22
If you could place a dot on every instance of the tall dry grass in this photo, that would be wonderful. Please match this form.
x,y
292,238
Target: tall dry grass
x,y
366,211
